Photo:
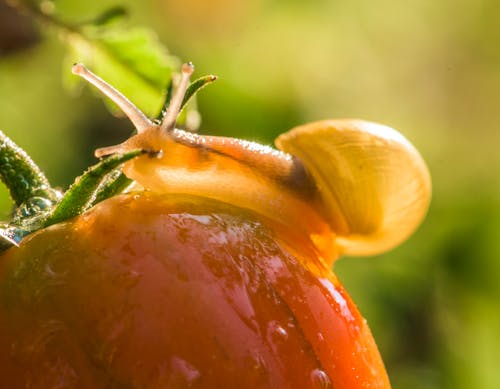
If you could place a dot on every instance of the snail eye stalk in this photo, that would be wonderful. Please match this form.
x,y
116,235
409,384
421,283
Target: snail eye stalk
x,y
136,116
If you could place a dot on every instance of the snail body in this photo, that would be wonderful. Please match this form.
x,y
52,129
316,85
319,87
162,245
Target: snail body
x,y
253,176
356,184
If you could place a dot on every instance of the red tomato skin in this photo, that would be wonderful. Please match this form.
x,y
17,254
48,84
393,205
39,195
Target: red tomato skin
x,y
150,291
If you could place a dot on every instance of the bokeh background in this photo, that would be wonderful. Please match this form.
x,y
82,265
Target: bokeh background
x,y
428,68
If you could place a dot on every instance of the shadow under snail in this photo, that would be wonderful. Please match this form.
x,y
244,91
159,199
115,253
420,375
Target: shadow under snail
x,y
351,183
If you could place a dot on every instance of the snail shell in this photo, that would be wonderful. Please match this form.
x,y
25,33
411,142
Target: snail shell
x,y
374,184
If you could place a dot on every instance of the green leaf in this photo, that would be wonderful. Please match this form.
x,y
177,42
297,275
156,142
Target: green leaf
x,y
131,59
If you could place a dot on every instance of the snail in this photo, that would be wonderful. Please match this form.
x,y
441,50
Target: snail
x,y
358,185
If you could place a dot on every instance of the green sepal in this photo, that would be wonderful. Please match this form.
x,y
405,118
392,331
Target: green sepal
x,y
113,184
168,97
192,89
84,192
195,86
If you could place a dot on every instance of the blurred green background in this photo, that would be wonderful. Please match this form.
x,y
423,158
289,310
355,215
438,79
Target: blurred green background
x,y
428,68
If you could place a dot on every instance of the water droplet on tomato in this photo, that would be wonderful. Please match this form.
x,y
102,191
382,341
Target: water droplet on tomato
x,y
320,379
277,336
277,332
184,370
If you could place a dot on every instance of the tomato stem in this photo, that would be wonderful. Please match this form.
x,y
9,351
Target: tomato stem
x,y
21,175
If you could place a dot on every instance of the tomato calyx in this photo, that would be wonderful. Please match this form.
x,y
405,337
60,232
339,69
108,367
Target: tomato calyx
x,y
39,205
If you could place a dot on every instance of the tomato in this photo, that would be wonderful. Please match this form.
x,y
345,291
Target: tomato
x,y
169,291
